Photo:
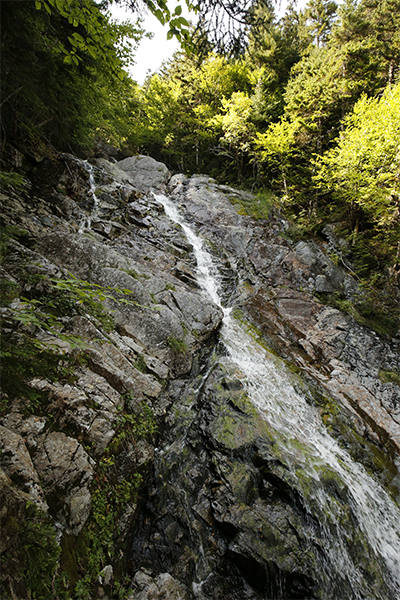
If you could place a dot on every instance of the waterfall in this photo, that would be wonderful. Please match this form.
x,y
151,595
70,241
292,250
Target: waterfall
x,y
87,221
314,460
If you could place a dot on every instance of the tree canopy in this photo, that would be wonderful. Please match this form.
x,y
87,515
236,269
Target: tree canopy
x,y
305,106
62,61
364,167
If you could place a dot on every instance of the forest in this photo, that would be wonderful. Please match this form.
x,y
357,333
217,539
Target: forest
x,y
304,111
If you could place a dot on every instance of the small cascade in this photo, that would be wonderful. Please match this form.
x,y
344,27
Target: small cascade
x,y
349,505
87,221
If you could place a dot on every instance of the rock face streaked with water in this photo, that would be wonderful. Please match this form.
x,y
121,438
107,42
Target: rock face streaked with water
x,y
274,472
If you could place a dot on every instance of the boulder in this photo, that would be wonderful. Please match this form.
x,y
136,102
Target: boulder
x,y
142,172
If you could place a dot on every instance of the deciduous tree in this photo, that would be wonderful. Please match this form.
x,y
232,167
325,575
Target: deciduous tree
x,y
364,168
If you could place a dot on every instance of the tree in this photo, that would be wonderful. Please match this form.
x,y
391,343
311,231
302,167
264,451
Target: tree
x,y
62,64
275,47
277,145
314,96
222,25
320,14
89,33
368,38
178,25
237,129
179,104
364,167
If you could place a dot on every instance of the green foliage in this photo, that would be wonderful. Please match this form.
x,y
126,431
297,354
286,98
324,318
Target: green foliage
x,y
67,297
372,311
314,96
264,120
133,273
176,111
389,377
140,424
275,47
364,167
111,495
132,427
7,234
367,36
236,127
277,145
319,15
12,181
178,25
23,358
91,36
87,297
9,290
62,71
38,553
97,546
178,346
140,363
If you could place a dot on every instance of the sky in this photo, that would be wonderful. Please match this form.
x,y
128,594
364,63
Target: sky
x,y
151,53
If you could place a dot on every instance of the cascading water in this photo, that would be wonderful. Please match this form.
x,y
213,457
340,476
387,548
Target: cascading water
x,y
87,221
313,459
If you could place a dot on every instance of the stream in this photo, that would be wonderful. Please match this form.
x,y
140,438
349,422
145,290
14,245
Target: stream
x,y
316,465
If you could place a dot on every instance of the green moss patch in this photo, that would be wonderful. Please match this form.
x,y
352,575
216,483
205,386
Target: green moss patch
x,y
389,377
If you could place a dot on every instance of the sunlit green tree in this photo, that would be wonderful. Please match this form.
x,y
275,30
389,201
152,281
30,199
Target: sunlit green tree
x,y
319,17
276,147
236,129
364,168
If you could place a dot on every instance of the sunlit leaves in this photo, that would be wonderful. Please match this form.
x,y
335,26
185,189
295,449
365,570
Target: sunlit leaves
x,y
276,146
364,168
316,86
235,121
319,15
179,107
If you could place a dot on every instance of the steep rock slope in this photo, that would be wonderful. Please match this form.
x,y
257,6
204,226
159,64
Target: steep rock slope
x,y
107,336
99,319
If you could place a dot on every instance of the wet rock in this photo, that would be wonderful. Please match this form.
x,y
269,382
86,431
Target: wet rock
x,y
300,313
109,229
106,575
121,374
90,408
77,507
333,231
246,528
264,255
28,427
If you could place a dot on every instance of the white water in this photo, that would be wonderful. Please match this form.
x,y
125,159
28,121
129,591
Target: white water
x,y
310,453
87,221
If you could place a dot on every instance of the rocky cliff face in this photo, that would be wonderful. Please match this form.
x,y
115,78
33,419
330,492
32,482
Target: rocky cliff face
x,y
135,462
